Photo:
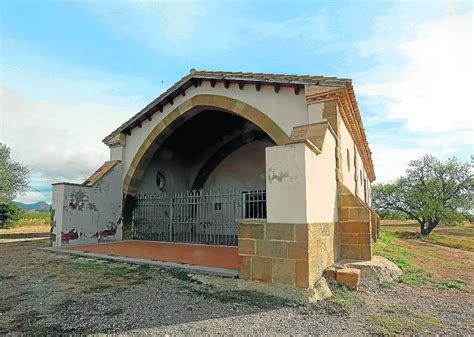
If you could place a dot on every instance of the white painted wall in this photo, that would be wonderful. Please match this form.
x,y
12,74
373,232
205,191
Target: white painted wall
x,y
301,186
244,169
285,108
315,112
286,183
321,185
348,175
84,215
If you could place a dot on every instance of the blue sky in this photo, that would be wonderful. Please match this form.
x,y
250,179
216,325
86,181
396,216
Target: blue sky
x,y
72,71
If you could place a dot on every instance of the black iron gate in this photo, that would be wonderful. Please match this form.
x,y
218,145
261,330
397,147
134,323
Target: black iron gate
x,y
196,216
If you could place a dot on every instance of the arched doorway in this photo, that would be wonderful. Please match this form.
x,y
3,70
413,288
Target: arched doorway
x,y
212,143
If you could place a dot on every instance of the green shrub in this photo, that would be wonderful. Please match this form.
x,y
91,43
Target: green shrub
x,y
9,213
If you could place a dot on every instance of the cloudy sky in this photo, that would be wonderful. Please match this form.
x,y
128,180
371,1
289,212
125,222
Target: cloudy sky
x,y
72,71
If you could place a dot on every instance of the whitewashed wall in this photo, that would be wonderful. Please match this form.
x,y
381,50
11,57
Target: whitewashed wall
x,y
301,185
244,169
84,215
284,108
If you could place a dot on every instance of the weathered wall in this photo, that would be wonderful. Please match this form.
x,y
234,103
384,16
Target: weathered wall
x,y
284,108
286,184
244,169
84,214
302,181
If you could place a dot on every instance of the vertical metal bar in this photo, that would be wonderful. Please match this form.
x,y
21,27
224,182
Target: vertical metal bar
x,y
171,219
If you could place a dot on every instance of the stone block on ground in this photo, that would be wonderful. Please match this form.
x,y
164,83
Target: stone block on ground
x,y
348,276
330,274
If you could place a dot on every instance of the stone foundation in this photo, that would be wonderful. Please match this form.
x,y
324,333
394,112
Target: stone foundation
x,y
293,255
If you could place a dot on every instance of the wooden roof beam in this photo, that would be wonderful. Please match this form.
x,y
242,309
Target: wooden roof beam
x,y
276,87
297,89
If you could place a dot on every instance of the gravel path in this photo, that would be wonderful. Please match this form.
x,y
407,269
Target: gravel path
x,y
43,293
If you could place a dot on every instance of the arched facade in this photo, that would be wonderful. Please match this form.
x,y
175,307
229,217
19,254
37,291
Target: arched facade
x,y
185,111
177,117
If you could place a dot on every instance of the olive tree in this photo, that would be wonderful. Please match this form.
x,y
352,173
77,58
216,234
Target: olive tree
x,y
13,182
13,176
432,191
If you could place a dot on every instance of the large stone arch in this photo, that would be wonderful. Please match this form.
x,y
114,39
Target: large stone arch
x,y
177,117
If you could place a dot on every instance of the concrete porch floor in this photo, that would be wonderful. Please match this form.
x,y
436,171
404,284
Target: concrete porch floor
x,y
222,257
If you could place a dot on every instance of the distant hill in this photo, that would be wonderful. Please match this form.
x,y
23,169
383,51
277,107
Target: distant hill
x,y
39,206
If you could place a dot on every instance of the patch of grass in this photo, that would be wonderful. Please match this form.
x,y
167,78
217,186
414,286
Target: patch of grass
x,y
450,284
387,285
463,242
32,219
120,271
65,304
7,303
44,331
89,265
344,298
27,318
394,321
390,248
98,287
114,312
113,271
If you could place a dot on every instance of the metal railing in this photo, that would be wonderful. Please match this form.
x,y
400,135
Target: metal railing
x,y
196,216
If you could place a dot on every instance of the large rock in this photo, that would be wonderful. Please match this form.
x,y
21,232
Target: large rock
x,y
378,269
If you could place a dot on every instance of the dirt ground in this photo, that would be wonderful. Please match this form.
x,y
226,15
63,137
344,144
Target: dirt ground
x,y
45,294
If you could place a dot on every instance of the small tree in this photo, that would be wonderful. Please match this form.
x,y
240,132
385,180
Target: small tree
x,y
432,191
9,213
13,182
13,176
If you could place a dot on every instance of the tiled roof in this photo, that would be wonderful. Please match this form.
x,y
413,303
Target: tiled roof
x,y
101,171
187,81
271,78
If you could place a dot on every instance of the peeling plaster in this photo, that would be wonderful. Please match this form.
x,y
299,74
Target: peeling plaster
x,y
78,199
272,175
92,206
71,235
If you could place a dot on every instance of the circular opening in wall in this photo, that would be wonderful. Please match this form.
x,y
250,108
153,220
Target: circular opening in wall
x,y
160,181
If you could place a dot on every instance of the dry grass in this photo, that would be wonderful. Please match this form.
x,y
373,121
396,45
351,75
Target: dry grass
x,y
460,237
26,229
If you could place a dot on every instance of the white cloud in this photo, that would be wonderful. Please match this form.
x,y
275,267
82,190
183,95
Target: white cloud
x,y
421,78
431,92
61,141
55,124
390,162
34,196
